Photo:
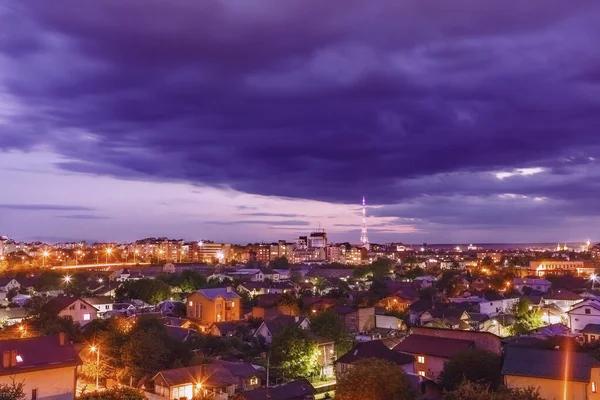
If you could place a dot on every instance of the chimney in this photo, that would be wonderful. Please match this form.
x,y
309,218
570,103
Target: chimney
x,y
229,289
6,359
13,358
62,339
297,318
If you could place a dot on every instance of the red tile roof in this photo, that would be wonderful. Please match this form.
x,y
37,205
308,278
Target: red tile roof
x,y
433,346
39,353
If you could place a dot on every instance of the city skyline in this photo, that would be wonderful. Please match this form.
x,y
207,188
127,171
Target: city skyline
x,y
482,129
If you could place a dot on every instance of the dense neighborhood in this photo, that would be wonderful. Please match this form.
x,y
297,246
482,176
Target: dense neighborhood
x,y
501,324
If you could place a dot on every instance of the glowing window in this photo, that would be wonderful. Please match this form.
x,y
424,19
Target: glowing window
x,y
19,359
421,359
87,317
421,373
593,387
191,303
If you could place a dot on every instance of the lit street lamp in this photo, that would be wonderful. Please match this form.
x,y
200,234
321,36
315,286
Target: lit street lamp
x,y
108,252
135,253
593,278
44,255
96,349
67,279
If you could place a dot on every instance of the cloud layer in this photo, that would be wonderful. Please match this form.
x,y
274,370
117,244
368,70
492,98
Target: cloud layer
x,y
433,111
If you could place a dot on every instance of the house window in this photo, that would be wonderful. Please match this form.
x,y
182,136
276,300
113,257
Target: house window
x,y
587,311
421,359
593,387
592,338
254,380
191,303
82,307
107,307
72,307
34,394
421,373
87,317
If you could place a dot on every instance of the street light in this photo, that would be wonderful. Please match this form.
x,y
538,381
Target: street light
x,y
96,349
77,254
108,252
44,255
135,253
67,279
593,279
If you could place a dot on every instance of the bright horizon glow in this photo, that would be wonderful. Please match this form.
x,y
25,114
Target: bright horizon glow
x,y
519,171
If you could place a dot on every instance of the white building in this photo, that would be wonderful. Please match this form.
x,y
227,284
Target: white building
x,y
586,312
541,285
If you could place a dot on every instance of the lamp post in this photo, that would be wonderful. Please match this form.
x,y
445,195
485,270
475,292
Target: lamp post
x,y
96,349
44,255
135,253
108,252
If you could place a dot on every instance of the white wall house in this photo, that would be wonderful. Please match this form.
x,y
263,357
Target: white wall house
x,y
586,312
494,307
541,285
79,310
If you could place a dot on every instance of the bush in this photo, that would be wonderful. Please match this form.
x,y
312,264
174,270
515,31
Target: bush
x,y
123,393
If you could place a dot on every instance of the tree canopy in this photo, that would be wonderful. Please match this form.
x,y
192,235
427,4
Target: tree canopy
x,y
123,393
374,379
12,391
527,317
150,291
330,325
294,353
473,365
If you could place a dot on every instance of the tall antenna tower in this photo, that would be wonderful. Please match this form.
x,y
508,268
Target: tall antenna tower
x,y
364,239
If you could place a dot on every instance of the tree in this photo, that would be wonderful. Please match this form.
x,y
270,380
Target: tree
x,y
122,393
294,353
527,317
329,325
12,391
374,379
279,263
150,291
487,261
480,391
472,365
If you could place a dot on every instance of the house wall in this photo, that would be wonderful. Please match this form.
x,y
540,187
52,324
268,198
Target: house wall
x,y
432,366
551,388
496,306
388,322
79,312
578,318
200,308
55,384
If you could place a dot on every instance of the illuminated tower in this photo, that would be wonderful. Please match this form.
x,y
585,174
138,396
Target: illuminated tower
x,y
364,239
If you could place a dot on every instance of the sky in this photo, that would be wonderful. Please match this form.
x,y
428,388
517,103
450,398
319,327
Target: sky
x,y
246,121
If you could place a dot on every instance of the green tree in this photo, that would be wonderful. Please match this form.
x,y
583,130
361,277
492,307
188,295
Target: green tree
x,y
487,261
374,379
44,319
330,325
151,291
480,391
279,263
473,365
294,353
415,272
122,393
12,391
144,353
527,317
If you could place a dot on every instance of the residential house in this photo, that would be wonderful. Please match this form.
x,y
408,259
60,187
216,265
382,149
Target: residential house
x,y
227,328
540,285
214,305
12,315
562,298
79,310
584,313
553,314
357,319
295,390
272,327
394,302
483,340
271,305
494,303
544,370
590,333
389,322
374,349
430,352
259,288
424,281
248,377
7,284
326,357
446,317
103,304
46,365
194,381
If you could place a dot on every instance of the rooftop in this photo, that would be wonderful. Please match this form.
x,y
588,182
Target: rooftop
x,y
547,364
224,292
433,346
375,349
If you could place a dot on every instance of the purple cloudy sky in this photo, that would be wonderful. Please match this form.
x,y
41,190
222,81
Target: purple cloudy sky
x,y
236,120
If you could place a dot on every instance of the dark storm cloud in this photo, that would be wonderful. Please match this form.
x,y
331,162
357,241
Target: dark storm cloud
x,y
402,100
43,207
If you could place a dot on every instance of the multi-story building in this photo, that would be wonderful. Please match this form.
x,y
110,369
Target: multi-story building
x,y
353,255
209,251
318,239
214,305
560,267
263,252
335,253
308,255
281,249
